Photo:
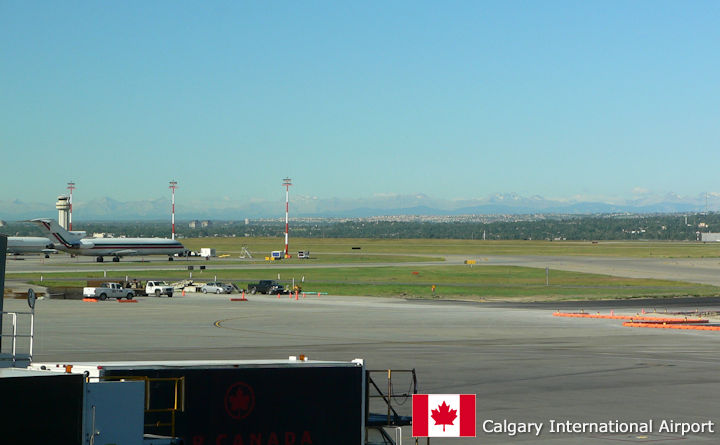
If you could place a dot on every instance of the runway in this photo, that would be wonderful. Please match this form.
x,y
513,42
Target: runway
x,y
523,364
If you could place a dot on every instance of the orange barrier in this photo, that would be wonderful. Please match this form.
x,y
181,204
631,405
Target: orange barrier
x,y
238,299
671,326
90,300
631,317
127,301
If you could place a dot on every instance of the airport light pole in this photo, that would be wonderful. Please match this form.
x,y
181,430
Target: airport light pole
x,y
71,187
287,183
173,186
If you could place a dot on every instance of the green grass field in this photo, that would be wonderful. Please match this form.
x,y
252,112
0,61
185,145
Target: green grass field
x,y
261,247
479,283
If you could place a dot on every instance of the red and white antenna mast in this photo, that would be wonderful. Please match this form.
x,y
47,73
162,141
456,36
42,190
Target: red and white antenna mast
x,y
173,186
71,187
287,183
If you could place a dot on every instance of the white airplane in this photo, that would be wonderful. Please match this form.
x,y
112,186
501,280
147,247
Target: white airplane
x,y
30,244
74,243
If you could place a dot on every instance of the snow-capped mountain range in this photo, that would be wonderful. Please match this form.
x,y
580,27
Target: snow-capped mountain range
x,y
378,205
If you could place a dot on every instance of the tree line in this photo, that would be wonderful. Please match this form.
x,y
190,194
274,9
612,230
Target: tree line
x,y
639,227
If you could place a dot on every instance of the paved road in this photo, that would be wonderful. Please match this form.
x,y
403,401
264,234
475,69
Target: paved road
x,y
524,364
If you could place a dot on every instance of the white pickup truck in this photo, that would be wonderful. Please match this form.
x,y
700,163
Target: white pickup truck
x,y
108,290
158,288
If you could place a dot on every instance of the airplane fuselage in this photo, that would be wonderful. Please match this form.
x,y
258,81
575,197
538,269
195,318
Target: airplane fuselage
x,y
126,247
29,244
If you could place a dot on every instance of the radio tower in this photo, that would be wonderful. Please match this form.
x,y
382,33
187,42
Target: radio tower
x,y
287,183
71,187
173,186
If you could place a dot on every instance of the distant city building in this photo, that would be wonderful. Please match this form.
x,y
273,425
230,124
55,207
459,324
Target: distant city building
x,y
709,237
195,224
702,225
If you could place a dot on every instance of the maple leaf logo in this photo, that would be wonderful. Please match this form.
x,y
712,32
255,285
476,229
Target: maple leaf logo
x,y
239,400
444,415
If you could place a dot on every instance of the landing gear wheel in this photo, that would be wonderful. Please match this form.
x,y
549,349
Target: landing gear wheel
x,y
99,259
116,259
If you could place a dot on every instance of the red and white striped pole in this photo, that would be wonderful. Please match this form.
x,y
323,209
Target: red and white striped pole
x,y
173,186
71,187
287,183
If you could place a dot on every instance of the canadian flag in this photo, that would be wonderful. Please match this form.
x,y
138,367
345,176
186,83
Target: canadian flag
x,y
443,415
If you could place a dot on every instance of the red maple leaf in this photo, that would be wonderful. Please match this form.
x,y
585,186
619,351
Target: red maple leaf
x,y
239,401
444,415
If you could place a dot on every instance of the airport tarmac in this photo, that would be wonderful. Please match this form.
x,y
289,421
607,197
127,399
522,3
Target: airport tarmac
x,y
524,364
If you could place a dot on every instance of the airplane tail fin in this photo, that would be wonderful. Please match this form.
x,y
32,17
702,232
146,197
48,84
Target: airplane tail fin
x,y
56,233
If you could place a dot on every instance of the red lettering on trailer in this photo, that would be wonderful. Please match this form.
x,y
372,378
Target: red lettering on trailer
x,y
273,439
238,440
220,438
306,438
255,439
289,438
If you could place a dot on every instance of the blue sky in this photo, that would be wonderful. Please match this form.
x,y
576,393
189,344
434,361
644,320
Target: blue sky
x,y
455,99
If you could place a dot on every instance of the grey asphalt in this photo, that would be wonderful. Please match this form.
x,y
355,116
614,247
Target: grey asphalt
x,y
524,364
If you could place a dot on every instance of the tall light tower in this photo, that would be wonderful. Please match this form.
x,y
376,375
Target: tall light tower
x,y
71,187
173,186
287,183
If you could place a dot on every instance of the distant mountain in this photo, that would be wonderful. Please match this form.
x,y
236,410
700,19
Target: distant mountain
x,y
378,205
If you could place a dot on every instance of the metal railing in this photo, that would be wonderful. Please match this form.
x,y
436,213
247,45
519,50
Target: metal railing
x,y
393,417
14,335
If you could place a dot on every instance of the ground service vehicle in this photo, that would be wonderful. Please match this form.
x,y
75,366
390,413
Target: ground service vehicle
x,y
267,287
216,287
108,290
158,288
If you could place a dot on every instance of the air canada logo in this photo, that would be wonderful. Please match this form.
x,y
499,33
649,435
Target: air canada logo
x,y
239,400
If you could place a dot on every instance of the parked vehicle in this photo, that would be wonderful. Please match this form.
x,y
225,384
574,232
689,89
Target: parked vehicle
x,y
216,287
108,290
158,288
267,287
